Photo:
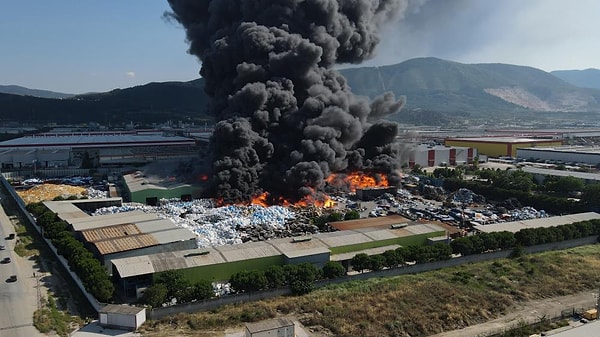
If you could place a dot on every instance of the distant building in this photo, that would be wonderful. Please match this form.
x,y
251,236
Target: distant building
x,y
150,189
426,155
50,150
279,327
566,154
500,146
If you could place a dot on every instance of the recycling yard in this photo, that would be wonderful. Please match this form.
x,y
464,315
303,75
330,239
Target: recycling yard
x,y
216,225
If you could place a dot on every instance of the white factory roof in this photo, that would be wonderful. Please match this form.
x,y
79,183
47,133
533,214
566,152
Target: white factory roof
x,y
561,173
93,140
155,263
499,139
515,226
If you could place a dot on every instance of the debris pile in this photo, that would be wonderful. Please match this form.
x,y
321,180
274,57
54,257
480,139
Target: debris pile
x,y
232,224
45,192
466,196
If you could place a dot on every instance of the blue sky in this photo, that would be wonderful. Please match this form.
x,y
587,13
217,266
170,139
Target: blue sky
x,y
81,46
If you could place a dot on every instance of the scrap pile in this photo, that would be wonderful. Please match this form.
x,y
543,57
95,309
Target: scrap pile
x,y
45,192
232,224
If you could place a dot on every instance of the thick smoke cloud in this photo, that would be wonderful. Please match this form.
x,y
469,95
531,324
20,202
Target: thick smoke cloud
x,y
287,120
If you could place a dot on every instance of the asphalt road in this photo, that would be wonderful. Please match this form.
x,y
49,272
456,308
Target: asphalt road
x,y
18,300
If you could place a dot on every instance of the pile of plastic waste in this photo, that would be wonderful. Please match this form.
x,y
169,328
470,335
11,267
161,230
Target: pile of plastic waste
x,y
215,226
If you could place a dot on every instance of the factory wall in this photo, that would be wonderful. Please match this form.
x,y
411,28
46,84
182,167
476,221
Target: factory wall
x,y
41,158
318,260
223,271
499,148
495,149
429,156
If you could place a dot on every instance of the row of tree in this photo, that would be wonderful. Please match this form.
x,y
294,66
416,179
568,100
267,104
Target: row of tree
x,y
172,285
301,277
484,242
91,272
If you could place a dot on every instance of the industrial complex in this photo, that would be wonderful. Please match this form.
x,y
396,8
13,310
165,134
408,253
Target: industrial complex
x,y
501,146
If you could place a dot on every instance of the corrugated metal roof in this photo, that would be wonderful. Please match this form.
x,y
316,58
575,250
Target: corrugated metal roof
x,y
343,238
148,264
515,226
248,250
318,244
291,249
125,243
93,140
370,251
132,266
98,221
384,221
109,232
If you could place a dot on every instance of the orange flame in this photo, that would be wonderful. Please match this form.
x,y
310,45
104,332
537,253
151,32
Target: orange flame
x,y
356,180
261,200
316,199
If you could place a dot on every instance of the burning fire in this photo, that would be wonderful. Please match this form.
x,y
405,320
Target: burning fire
x,y
356,180
321,200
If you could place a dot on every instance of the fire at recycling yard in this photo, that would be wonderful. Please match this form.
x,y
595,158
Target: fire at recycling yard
x,y
215,224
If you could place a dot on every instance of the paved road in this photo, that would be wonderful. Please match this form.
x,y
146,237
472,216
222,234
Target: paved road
x,y
18,300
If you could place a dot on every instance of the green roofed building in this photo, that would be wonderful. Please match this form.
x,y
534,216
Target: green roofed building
x,y
149,189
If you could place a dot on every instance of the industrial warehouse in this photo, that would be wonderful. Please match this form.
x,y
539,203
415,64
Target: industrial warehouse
x,y
501,146
589,155
54,150
113,236
220,262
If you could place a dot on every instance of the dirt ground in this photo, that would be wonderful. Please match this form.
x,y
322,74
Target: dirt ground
x,y
530,312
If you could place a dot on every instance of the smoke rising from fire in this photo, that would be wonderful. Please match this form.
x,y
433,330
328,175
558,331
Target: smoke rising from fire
x,y
287,120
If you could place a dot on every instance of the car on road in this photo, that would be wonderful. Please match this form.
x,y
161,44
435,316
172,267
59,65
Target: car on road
x,y
11,236
12,278
2,248
5,260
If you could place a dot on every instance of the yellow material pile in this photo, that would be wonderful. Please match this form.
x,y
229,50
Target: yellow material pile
x,y
50,191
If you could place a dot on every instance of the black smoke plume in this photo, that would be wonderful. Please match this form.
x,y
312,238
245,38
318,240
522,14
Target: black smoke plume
x,y
287,120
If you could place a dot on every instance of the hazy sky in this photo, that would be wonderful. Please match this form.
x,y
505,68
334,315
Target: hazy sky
x,y
82,46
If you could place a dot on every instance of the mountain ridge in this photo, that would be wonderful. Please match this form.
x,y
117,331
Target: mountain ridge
x,y
434,87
